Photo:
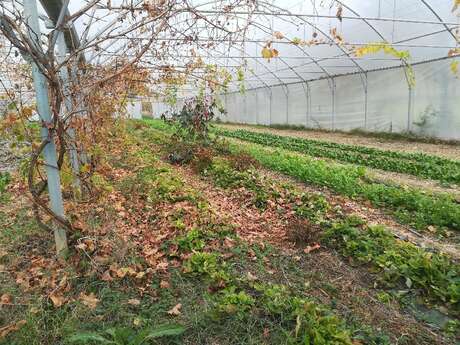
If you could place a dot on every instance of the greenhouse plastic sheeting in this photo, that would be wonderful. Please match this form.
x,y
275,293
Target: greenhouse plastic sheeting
x,y
320,80
342,103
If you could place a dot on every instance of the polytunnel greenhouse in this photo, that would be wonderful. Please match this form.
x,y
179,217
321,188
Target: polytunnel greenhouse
x,y
318,81
229,172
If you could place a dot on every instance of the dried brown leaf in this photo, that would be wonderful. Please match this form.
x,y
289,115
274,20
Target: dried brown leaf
x,y
175,311
89,300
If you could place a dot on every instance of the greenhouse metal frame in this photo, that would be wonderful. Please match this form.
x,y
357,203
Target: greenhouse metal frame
x,y
330,88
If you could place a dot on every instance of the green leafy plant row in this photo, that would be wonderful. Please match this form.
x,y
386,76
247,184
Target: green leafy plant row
x,y
417,164
398,261
409,205
303,320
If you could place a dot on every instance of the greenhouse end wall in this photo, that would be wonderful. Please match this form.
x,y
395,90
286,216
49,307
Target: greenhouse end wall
x,y
376,101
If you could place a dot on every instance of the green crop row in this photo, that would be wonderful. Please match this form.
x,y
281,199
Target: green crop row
x,y
417,164
409,205
400,262
303,320
436,276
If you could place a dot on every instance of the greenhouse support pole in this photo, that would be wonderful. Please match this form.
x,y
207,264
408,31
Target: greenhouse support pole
x,y
287,105
333,104
226,107
309,101
245,116
409,110
257,108
49,152
305,90
366,105
270,118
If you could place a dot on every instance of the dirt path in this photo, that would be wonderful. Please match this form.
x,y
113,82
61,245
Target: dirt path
x,y
414,182
443,150
353,290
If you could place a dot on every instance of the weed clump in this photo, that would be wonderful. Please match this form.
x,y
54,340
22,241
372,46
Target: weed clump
x,y
202,160
4,181
302,232
242,161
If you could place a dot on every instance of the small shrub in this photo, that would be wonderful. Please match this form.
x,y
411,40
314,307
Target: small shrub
x,y
192,122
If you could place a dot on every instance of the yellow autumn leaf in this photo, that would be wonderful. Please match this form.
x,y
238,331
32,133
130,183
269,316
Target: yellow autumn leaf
x,y
296,41
266,53
454,67
456,5
27,112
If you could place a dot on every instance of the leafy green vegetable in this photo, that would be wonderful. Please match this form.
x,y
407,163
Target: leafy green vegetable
x,y
399,262
417,164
